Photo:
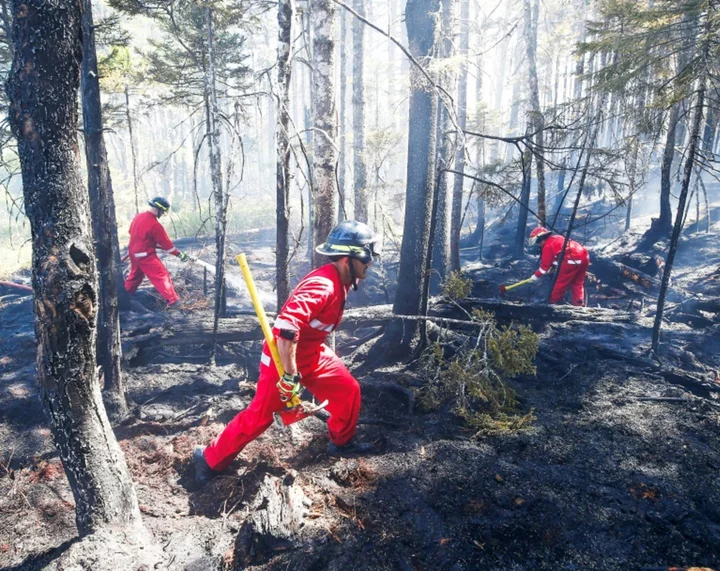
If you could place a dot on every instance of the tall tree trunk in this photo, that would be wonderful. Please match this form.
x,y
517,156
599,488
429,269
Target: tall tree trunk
x,y
531,10
219,195
663,225
133,151
409,300
342,128
43,118
284,65
443,218
677,228
358,101
457,197
102,206
520,231
324,121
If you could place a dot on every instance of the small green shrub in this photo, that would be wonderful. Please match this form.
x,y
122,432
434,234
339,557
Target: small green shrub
x,y
473,381
456,286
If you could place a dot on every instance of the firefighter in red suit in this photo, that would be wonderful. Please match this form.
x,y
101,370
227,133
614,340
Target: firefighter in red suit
x,y
147,234
312,311
573,269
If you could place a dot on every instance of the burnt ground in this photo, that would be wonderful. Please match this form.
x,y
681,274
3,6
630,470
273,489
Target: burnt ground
x,y
620,470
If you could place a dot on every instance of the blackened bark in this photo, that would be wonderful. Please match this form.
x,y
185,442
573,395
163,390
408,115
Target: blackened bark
x,y
219,196
284,65
324,122
133,152
358,102
677,228
42,88
342,164
409,300
537,120
102,207
520,230
457,198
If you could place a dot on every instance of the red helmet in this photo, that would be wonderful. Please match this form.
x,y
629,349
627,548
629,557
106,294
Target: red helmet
x,y
538,234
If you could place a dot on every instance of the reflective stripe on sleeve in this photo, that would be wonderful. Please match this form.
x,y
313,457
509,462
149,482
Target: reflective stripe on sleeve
x,y
542,272
265,359
280,323
317,324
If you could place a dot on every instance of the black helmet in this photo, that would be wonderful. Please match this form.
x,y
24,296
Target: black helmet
x,y
160,203
350,238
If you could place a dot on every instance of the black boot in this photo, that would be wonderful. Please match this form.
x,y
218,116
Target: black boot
x,y
352,448
203,472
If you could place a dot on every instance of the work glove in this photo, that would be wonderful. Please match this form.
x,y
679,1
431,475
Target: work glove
x,y
183,257
289,386
533,279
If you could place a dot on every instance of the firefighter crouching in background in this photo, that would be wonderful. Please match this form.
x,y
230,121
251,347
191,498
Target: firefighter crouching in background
x,y
573,269
147,234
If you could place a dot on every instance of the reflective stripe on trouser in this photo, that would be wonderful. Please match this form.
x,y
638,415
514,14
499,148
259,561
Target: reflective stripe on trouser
x,y
572,275
156,272
328,379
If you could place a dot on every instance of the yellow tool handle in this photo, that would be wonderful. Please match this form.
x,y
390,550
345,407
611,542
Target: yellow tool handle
x,y
513,286
267,332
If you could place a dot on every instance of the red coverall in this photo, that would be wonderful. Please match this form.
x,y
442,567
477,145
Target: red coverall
x,y
146,233
572,272
314,309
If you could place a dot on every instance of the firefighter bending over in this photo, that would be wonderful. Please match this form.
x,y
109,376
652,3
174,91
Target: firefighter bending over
x,y
312,311
574,265
147,234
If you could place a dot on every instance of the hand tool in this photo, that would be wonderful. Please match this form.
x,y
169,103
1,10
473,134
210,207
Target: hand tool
x,y
504,288
295,409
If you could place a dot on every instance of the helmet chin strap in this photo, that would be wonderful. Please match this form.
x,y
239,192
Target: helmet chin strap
x,y
353,279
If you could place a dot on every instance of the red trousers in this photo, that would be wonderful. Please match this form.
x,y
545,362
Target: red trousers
x,y
325,377
572,275
157,273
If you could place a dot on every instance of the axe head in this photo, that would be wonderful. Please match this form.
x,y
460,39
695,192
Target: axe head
x,y
297,413
503,289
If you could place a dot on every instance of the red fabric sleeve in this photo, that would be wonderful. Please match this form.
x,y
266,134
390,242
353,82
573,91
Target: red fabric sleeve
x,y
307,301
546,259
163,240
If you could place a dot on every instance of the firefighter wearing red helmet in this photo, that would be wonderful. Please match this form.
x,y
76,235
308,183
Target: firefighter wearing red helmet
x,y
147,234
312,311
573,269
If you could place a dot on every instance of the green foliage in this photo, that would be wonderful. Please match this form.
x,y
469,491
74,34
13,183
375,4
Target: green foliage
x,y
473,380
456,286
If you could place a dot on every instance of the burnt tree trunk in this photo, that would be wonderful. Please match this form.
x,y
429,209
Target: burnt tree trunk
x,y
102,206
133,152
358,104
342,158
677,228
409,300
42,88
457,197
219,195
520,230
324,122
284,64
442,211
536,117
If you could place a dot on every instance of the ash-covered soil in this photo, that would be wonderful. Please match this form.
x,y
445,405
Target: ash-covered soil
x,y
620,470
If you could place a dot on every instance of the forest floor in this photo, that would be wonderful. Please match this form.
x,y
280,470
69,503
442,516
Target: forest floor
x,y
620,469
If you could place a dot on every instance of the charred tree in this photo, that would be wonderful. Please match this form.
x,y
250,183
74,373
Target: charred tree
x,y
42,88
133,152
342,164
677,228
220,197
442,211
358,103
531,11
457,196
410,298
284,65
520,230
324,122
104,222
